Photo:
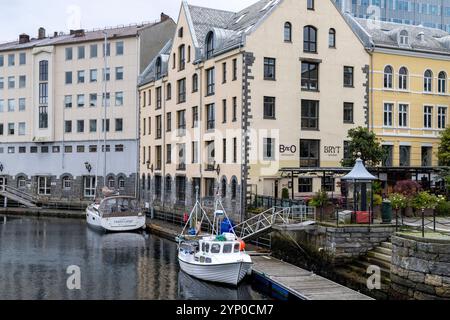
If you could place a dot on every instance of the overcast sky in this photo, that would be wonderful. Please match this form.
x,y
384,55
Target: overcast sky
x,y
26,16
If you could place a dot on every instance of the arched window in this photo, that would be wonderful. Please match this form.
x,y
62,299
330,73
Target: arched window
x,y
287,32
67,183
158,68
21,183
332,38
181,57
112,182
149,182
121,183
168,186
403,78
143,182
224,188
310,39
404,38
189,54
442,82
428,81
169,91
209,45
195,83
388,76
234,189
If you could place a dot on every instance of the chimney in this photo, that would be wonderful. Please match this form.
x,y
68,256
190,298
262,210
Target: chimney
x,y
41,33
24,38
164,17
77,33
55,34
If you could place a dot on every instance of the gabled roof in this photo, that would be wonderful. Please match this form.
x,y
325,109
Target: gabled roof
x,y
387,35
149,73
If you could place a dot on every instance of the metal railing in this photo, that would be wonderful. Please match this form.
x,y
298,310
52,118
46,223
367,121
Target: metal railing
x,y
423,223
270,202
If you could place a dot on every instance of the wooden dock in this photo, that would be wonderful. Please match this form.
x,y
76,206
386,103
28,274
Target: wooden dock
x,y
288,279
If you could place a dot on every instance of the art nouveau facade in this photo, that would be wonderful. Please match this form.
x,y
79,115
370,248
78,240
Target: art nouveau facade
x,y
52,106
409,91
235,97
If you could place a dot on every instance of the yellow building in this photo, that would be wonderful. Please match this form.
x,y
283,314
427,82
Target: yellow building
x,y
409,94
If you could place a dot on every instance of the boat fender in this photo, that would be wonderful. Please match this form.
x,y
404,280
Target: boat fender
x,y
243,245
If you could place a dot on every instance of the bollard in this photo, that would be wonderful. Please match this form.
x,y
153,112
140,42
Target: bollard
x,y
423,223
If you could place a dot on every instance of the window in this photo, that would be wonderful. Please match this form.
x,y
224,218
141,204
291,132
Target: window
x,y
442,117
68,102
169,92
388,160
310,39
81,76
211,116
235,69
119,73
119,99
169,122
403,115
442,82
195,83
404,38
93,51
332,38
11,82
224,72
93,125
158,127
305,185
158,98
69,53
428,117
22,82
269,68
223,188
89,187
105,125
310,76
21,182
119,48
235,150
80,149
22,58
168,186
194,117
328,184
80,126
405,156
194,152
269,107
44,186
224,111
309,153
210,81
106,49
181,122
348,77
388,76
403,79
427,156
169,154
68,126
310,4
310,115
11,105
21,128
234,109
388,115
107,74
93,75
68,77
181,57
119,125
80,101
287,32
181,188
348,113
93,100
22,104
182,91
158,68
81,52
269,149
224,150
234,186
428,81
209,45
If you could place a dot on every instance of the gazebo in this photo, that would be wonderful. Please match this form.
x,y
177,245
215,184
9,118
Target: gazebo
x,y
360,185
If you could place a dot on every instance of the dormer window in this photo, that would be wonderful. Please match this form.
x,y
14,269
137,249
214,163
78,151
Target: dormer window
x,y
209,45
404,38
158,68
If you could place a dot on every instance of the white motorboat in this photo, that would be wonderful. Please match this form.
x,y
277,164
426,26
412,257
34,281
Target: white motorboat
x,y
116,214
212,257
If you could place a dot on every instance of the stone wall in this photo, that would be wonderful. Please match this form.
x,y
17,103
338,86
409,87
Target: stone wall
x,y
340,245
420,268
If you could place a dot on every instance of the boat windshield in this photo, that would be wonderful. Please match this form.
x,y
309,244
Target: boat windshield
x,y
215,248
228,248
114,206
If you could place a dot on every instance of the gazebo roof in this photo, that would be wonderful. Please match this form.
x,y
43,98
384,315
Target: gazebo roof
x,y
359,173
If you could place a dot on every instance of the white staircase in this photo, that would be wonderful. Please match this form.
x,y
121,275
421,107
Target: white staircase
x,y
18,196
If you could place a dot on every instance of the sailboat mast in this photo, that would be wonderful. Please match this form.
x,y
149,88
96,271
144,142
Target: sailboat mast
x,y
105,104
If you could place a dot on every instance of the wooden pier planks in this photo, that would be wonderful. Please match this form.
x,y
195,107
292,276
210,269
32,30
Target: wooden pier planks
x,y
302,283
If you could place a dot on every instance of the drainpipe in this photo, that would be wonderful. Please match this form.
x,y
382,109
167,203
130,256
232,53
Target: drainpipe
x,y
371,93
200,127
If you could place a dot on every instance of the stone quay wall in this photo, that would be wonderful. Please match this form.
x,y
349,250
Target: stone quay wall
x,y
420,268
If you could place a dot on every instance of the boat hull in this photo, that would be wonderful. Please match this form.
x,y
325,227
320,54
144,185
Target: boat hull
x,y
115,224
230,273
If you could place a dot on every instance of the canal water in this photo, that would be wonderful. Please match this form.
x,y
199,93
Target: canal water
x,y
35,255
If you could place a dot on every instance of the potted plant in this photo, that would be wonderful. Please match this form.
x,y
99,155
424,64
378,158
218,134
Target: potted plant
x,y
320,200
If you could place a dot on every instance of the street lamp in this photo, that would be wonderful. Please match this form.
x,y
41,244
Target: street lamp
x,y
88,166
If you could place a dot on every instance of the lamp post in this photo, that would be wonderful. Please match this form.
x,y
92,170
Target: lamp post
x,y
88,167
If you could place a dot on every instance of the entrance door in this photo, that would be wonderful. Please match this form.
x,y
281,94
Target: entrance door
x,y
44,186
89,187
3,182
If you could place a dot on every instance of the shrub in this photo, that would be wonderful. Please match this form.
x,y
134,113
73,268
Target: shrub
x,y
285,194
408,188
443,209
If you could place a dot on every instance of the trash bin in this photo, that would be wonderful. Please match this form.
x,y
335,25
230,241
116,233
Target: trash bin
x,y
386,212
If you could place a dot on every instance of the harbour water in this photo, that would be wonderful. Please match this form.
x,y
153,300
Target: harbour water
x,y
35,255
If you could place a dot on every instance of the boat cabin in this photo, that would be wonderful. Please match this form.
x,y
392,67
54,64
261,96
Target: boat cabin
x,y
119,206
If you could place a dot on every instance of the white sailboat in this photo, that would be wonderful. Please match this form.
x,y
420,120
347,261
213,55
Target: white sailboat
x,y
112,212
212,257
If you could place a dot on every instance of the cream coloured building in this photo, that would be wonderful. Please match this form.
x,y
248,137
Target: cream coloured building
x,y
236,96
52,126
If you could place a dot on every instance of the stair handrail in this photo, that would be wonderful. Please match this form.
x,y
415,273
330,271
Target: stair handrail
x,y
20,194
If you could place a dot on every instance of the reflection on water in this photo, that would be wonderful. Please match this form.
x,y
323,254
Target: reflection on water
x,y
35,254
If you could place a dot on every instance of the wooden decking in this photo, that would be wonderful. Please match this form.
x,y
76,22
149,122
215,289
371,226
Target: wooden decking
x,y
301,283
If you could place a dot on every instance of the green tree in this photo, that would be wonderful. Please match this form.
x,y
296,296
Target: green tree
x,y
444,148
365,142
